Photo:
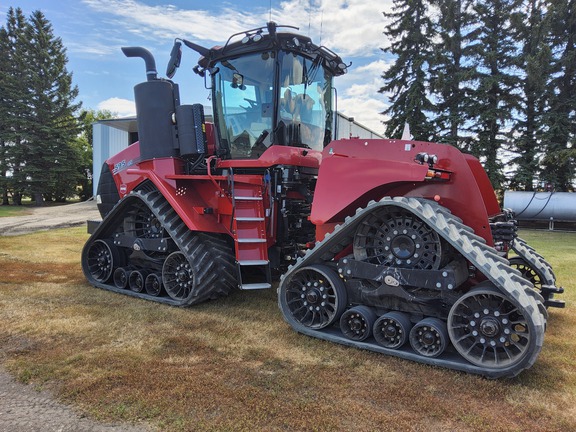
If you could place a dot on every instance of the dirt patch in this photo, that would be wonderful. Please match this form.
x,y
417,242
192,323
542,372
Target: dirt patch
x,y
45,218
23,408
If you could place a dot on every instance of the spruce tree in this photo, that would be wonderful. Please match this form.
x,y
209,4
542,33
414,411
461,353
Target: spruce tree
x,y
4,114
15,102
560,118
51,128
535,60
411,33
495,96
451,71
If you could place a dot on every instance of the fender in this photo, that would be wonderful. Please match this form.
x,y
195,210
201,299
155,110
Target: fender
x,y
129,173
354,172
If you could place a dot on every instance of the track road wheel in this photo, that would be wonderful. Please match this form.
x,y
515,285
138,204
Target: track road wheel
x,y
153,284
391,330
489,329
121,277
102,256
356,323
314,297
137,279
429,337
178,276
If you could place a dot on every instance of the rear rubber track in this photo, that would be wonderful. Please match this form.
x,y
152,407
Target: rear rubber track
x,y
537,263
535,259
209,255
485,258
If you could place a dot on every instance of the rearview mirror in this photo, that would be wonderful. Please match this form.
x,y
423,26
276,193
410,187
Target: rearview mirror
x,y
175,58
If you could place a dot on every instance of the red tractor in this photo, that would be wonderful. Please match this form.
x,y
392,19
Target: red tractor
x,y
394,246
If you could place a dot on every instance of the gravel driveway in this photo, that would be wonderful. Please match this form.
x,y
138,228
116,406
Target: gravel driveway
x,y
22,408
44,218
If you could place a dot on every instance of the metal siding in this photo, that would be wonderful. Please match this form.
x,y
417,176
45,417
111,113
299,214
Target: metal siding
x,y
99,150
107,142
347,128
118,140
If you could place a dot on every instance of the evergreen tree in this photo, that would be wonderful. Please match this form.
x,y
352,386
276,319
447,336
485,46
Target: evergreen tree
x,y
535,61
15,102
411,33
4,114
560,119
51,128
450,72
495,96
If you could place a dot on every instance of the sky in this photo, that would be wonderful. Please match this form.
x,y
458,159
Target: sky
x,y
93,31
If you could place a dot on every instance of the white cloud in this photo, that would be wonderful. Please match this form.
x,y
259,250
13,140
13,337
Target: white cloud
x,y
359,97
353,27
349,27
167,21
91,48
121,107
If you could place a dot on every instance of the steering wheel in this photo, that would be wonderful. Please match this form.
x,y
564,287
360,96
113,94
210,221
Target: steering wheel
x,y
253,103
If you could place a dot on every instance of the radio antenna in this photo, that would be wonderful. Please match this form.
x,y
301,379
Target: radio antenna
x,y
309,15
321,23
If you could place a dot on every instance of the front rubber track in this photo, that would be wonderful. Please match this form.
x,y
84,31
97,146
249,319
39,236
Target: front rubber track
x,y
473,247
210,255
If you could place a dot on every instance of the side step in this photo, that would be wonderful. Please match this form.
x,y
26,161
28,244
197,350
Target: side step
x,y
254,275
549,301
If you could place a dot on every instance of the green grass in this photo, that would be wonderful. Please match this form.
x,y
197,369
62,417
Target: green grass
x,y
234,364
10,210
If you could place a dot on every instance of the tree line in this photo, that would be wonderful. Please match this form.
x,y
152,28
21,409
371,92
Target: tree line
x,y
496,78
45,139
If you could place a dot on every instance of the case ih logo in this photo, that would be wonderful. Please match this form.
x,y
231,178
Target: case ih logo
x,y
123,189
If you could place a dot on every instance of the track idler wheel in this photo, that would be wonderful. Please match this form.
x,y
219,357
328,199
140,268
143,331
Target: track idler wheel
x,y
153,284
178,276
391,330
102,256
537,278
527,272
356,323
429,337
490,330
313,297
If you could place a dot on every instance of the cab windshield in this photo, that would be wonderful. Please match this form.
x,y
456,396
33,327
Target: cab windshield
x,y
260,100
305,107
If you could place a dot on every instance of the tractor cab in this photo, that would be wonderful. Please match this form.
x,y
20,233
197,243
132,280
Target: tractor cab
x,y
268,88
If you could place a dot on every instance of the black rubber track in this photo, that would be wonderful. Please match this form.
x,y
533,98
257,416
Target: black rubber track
x,y
486,259
210,255
107,191
536,262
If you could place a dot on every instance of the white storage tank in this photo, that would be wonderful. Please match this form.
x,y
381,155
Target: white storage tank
x,y
542,206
